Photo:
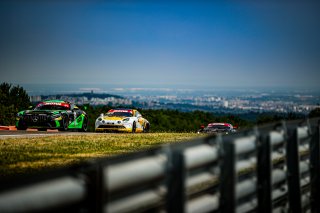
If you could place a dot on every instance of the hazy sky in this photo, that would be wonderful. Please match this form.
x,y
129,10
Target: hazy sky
x,y
161,43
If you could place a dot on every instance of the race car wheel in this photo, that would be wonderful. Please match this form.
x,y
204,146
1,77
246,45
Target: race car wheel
x,y
146,128
134,127
84,127
64,123
21,126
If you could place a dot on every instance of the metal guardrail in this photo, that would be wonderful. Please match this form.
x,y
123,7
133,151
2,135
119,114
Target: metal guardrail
x,y
273,168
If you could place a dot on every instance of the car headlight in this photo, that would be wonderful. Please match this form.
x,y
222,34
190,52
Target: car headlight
x,y
126,119
99,119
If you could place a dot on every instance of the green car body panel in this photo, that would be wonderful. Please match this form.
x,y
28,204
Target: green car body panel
x,y
53,114
77,124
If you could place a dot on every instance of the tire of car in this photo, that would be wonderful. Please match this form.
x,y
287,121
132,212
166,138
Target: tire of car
x,y
134,127
84,127
146,128
21,126
64,123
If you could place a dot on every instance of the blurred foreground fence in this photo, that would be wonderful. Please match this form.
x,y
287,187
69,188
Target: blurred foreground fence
x,y
273,168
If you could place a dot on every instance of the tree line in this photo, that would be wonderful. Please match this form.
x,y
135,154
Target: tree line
x,y
14,99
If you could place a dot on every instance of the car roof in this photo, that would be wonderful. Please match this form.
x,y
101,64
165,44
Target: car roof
x,y
121,110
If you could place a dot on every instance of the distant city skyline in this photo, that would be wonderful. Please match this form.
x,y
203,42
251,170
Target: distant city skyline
x,y
223,101
161,43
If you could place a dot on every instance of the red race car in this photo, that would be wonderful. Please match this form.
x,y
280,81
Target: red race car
x,y
215,128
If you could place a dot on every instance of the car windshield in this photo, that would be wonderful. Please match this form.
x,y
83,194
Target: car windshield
x,y
119,114
52,107
219,127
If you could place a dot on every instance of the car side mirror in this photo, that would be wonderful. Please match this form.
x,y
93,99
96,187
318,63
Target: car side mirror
x,y
101,115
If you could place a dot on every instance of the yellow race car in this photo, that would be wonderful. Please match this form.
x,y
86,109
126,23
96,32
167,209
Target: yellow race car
x,y
122,120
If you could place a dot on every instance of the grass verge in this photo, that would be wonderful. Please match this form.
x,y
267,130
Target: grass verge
x,y
32,154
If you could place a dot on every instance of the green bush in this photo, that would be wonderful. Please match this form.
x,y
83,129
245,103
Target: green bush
x,y
12,100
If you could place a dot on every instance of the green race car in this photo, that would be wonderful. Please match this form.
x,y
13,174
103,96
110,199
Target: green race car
x,y
53,114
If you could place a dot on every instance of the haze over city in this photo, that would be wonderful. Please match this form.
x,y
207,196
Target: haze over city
x,y
161,43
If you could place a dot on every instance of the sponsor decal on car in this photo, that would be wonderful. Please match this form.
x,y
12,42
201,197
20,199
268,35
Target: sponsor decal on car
x,y
54,104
